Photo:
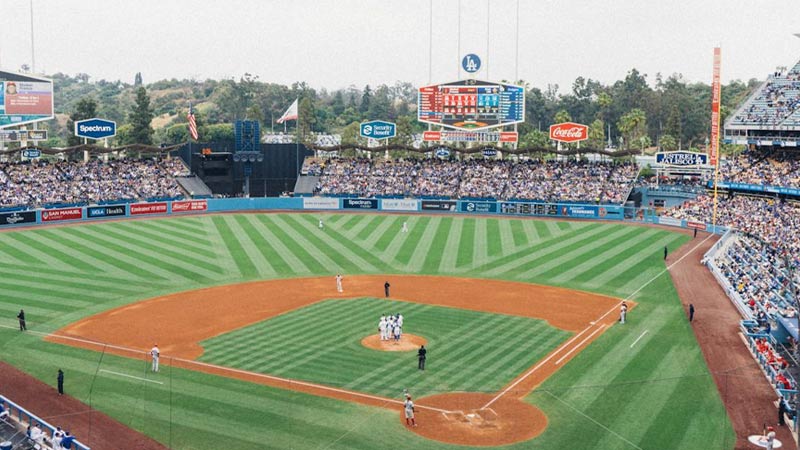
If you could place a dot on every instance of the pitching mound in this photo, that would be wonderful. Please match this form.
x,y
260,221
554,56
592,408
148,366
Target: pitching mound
x,y
464,421
409,342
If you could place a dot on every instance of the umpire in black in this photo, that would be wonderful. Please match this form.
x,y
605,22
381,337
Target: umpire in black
x,y
386,287
421,355
21,317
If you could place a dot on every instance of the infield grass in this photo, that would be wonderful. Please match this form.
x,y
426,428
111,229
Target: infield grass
x,y
657,394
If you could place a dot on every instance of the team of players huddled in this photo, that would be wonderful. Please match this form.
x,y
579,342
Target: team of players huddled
x,y
391,327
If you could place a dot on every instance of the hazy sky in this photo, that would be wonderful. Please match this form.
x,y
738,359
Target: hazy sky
x,y
336,43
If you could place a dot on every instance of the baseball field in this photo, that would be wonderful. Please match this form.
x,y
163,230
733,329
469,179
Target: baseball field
x,y
260,351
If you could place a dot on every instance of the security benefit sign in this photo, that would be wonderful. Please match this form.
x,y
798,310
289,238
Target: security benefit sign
x,y
378,129
681,159
479,207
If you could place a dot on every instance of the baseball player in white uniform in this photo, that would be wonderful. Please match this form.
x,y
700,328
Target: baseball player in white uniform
x,y
408,406
400,320
321,225
339,279
623,311
397,332
155,354
405,227
382,328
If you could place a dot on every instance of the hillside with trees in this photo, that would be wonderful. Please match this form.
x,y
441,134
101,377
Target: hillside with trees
x,y
638,111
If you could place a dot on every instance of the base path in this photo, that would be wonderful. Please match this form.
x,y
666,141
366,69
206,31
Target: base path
x,y
179,322
748,397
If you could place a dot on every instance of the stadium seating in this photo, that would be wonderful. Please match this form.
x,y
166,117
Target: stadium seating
x,y
569,181
36,184
776,103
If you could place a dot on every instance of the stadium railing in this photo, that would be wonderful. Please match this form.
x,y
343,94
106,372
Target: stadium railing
x,y
26,418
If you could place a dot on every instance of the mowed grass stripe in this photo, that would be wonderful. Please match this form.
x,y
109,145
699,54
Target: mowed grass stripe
x,y
75,283
531,233
299,247
480,245
577,253
494,240
293,262
251,243
270,262
49,293
466,246
542,230
631,257
176,256
580,262
166,238
426,245
122,261
26,243
188,225
10,246
505,236
526,259
163,228
316,241
163,261
366,227
381,236
439,245
517,232
229,341
68,260
402,246
85,281
285,325
234,249
334,243
449,254
95,263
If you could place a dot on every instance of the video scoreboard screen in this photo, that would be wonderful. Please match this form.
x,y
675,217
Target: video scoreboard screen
x,y
471,104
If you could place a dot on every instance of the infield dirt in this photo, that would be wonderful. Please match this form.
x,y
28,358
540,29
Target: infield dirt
x,y
179,322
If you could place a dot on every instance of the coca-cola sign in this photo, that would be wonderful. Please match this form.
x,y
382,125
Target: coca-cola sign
x,y
569,132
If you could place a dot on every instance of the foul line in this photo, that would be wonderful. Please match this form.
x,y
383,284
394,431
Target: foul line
x,y
640,336
579,344
190,362
566,344
130,376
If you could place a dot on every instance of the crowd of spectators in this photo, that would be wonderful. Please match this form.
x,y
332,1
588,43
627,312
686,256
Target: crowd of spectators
x,y
778,99
572,181
763,167
34,184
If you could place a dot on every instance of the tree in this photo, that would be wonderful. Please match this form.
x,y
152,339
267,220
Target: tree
x,y
562,116
306,120
137,79
633,125
141,117
596,134
86,108
366,100
668,143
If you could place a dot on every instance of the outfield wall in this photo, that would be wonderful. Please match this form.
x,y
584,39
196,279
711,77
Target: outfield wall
x,y
516,208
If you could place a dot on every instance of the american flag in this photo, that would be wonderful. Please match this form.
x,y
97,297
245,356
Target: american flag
x,y
192,124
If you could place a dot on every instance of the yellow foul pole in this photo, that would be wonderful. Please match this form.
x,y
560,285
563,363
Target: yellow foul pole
x,y
713,151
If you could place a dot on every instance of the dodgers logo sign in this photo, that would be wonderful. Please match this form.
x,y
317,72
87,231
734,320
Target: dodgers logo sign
x,y
95,128
471,63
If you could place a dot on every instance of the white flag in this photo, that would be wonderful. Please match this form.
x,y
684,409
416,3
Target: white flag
x,y
290,114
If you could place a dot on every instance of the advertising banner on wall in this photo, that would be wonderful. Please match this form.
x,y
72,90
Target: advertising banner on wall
x,y
189,206
17,218
53,215
438,205
148,208
320,203
95,212
479,207
393,204
360,203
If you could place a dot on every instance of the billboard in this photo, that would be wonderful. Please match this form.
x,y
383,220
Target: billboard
x,y
470,136
471,104
24,99
189,206
17,218
681,159
54,215
569,132
378,129
95,128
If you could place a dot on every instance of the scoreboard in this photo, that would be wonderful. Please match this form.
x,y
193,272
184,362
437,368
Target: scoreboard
x,y
471,104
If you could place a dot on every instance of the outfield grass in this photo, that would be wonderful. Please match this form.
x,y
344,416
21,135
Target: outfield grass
x,y
474,351
656,395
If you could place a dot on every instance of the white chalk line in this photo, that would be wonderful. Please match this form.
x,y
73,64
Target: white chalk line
x,y
566,355
130,376
640,337
566,344
230,369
